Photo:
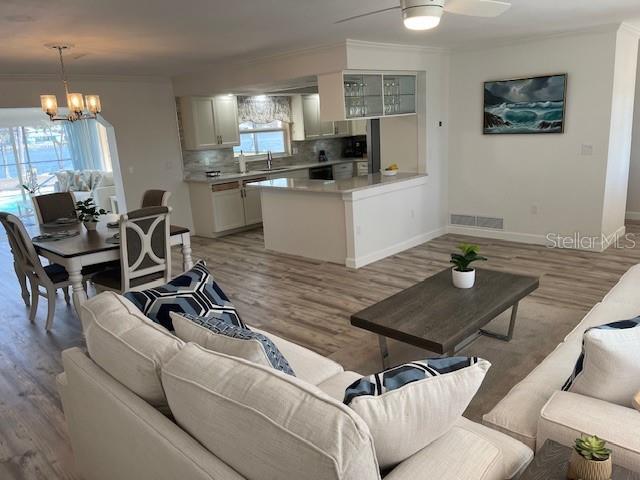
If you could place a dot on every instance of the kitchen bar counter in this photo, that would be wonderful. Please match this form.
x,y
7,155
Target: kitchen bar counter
x,y
352,222
200,177
346,185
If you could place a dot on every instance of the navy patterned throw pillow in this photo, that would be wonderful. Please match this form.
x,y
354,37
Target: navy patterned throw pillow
x,y
194,292
256,346
399,376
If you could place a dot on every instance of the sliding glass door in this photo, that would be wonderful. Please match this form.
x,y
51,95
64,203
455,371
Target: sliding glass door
x,y
29,155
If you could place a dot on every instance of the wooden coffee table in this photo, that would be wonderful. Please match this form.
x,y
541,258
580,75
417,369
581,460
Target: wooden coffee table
x,y
552,461
438,317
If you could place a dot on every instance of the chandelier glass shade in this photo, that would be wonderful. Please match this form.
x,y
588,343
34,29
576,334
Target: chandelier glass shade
x,y
79,107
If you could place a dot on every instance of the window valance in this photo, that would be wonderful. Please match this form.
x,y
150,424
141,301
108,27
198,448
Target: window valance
x,y
263,109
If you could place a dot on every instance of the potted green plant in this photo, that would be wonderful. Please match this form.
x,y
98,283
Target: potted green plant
x,y
89,213
463,275
590,459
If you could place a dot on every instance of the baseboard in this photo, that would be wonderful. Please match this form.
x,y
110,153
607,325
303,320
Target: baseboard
x,y
361,261
633,216
596,246
498,234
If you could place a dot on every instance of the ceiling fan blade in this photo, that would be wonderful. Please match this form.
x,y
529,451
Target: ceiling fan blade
x,y
367,14
477,8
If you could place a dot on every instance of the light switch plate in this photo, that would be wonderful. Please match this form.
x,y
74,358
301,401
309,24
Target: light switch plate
x,y
586,150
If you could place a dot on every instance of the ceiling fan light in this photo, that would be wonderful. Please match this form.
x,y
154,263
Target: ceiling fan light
x,y
422,17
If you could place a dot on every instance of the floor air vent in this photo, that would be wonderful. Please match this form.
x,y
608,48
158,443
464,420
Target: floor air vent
x,y
480,222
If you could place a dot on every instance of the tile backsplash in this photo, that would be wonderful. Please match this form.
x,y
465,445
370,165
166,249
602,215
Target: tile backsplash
x,y
222,159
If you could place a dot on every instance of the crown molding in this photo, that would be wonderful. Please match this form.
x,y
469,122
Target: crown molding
x,y
395,46
631,28
513,41
79,77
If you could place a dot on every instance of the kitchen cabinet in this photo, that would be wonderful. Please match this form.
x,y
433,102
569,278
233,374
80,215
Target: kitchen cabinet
x,y
251,203
342,171
307,124
352,95
209,122
228,207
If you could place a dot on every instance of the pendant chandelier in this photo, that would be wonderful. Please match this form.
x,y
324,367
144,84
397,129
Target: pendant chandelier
x,y
75,102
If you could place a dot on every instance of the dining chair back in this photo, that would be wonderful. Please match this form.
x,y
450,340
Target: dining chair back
x,y
145,248
27,263
52,206
155,198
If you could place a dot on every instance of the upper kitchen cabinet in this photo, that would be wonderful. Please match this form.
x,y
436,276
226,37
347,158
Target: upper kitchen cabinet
x,y
307,125
353,95
209,122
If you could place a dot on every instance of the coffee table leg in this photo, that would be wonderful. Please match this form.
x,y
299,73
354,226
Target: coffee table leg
x,y
384,352
512,325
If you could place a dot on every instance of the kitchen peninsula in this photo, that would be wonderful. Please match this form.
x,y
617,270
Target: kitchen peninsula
x,y
352,222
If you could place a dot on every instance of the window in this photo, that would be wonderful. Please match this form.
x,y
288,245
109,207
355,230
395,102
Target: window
x,y
260,138
28,156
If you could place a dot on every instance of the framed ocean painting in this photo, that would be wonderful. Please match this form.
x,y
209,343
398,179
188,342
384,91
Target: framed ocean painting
x,y
525,105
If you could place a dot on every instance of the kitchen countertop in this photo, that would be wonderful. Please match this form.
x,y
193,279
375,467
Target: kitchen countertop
x,y
346,185
200,177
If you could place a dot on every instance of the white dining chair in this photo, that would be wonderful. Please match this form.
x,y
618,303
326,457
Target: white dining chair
x,y
155,198
145,252
50,277
53,206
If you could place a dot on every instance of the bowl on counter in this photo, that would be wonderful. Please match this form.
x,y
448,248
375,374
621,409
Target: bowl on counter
x,y
389,173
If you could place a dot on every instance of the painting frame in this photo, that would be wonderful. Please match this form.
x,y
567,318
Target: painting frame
x,y
520,131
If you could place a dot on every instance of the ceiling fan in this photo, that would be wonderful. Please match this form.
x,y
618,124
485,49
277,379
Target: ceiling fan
x,y
426,14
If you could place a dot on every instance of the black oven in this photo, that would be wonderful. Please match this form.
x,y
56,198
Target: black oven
x,y
321,173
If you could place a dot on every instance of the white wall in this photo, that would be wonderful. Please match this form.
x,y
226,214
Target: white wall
x,y
624,89
433,93
143,114
539,184
633,196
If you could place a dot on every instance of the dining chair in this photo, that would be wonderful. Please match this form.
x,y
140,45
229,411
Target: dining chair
x,y
155,198
51,277
52,206
145,252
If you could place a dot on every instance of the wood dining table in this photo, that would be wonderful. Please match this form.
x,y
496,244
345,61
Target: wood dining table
x,y
94,247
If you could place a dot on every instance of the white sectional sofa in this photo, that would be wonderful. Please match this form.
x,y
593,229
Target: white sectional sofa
x,y
536,409
143,405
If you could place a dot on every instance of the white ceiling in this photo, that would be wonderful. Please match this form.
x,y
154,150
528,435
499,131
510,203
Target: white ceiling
x,y
169,37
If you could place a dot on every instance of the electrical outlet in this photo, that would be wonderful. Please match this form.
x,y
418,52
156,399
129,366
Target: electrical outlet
x,y
412,213
294,150
130,169
535,209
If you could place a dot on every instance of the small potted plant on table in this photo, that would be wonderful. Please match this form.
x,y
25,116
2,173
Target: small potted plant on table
x,y
463,275
89,213
590,459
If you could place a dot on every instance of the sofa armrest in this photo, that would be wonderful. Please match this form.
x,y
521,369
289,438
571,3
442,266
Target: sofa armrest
x,y
567,415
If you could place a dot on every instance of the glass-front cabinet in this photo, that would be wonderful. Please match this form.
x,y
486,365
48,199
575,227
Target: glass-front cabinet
x,y
378,95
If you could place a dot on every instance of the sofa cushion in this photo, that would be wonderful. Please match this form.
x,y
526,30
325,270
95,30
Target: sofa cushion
x,y
194,292
567,416
335,386
409,406
518,412
627,289
127,345
609,366
459,454
308,365
219,335
263,423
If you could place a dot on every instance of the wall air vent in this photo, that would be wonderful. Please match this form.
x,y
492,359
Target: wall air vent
x,y
493,223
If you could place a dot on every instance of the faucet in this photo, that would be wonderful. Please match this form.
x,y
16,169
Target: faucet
x,y
269,160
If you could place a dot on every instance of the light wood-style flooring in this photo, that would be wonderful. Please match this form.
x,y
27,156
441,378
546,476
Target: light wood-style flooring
x,y
307,302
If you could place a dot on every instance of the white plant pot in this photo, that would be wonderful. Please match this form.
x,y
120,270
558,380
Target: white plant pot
x,y
90,226
463,279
